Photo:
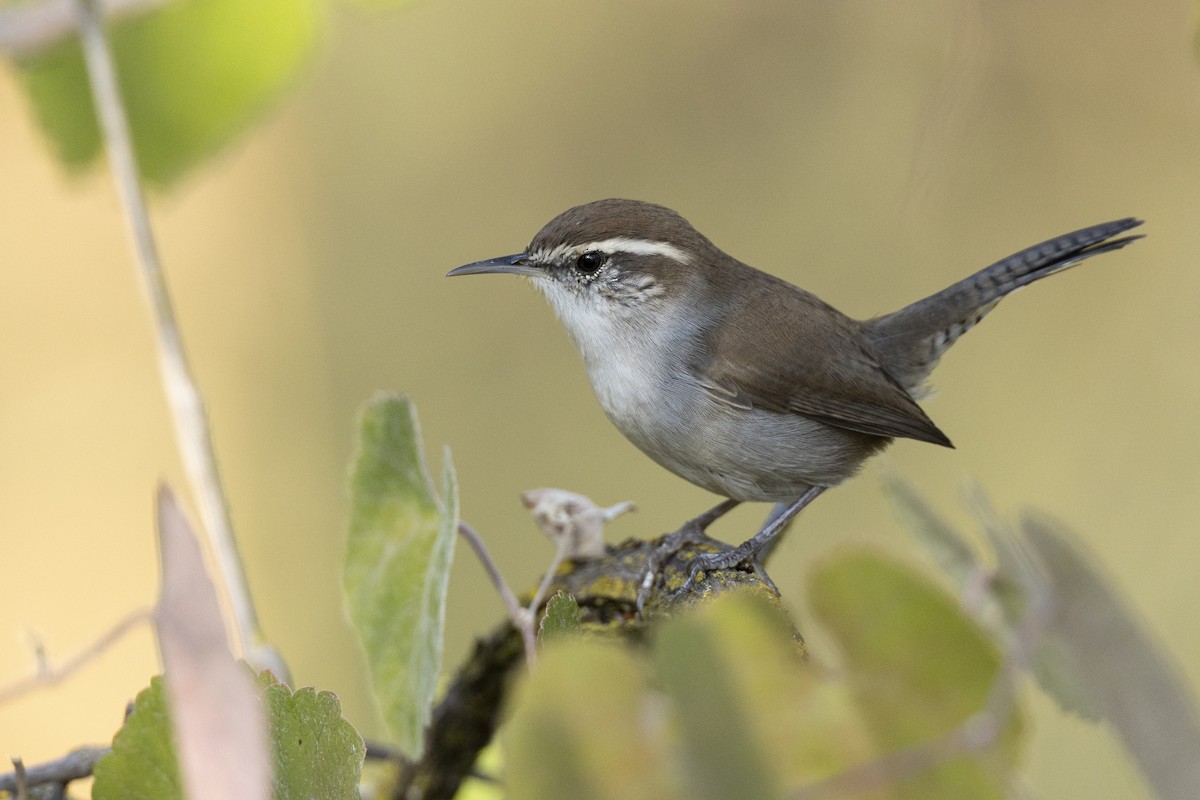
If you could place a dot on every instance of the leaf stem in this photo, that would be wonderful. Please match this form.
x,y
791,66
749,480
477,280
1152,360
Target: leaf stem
x,y
28,28
48,675
182,395
521,618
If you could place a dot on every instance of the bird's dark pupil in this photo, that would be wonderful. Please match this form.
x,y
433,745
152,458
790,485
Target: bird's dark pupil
x,y
589,261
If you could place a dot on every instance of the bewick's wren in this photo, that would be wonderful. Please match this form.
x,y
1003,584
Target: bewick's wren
x,y
738,381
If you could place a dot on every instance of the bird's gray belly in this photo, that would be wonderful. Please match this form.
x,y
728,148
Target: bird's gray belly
x,y
746,454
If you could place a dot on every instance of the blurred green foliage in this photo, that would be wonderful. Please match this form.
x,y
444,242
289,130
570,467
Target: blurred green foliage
x,y
919,666
194,74
726,706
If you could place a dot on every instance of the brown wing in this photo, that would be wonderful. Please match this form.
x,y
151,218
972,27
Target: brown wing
x,y
808,358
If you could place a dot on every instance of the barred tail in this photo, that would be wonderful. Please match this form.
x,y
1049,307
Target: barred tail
x,y
910,341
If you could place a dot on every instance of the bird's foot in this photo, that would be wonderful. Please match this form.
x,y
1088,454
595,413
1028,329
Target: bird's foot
x,y
744,555
749,552
690,534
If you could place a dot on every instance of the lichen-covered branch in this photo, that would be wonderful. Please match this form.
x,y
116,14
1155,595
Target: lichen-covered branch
x,y
607,590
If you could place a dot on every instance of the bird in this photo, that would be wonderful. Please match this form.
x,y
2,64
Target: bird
x,y
738,381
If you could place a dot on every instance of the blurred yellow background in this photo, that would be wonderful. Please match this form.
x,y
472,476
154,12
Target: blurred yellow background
x,y
870,153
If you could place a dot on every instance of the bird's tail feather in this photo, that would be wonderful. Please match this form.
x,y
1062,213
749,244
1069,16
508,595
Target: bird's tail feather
x,y
910,341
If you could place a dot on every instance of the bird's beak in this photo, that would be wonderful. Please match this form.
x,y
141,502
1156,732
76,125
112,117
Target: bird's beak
x,y
517,264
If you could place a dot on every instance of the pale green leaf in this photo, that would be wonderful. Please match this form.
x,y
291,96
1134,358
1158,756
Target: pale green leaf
x,y
194,73
1125,673
400,544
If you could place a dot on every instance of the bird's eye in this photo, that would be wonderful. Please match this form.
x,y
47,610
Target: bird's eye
x,y
590,262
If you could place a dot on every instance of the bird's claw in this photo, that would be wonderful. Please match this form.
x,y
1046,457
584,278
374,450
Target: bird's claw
x,y
730,559
711,562
700,563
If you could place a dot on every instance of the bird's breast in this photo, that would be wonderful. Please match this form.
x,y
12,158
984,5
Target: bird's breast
x,y
642,369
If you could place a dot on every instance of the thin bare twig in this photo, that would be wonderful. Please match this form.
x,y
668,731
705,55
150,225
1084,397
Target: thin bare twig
x,y
576,526
48,676
19,771
183,396
28,28
71,767
521,618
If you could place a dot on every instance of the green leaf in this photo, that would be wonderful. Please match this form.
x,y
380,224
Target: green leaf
x,y
1131,681
999,599
579,729
398,555
317,752
806,723
722,754
918,667
194,73
730,710
561,620
142,763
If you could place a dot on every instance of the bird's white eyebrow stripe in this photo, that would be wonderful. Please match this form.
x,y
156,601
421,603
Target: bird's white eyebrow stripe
x,y
619,244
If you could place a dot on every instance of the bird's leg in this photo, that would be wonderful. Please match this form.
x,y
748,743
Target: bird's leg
x,y
698,526
691,532
769,547
750,550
